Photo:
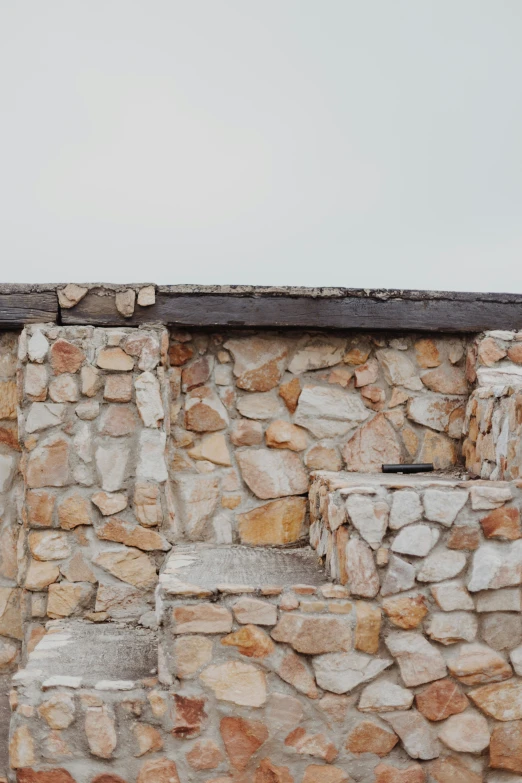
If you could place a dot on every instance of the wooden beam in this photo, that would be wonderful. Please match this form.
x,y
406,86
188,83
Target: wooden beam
x,y
404,311
27,307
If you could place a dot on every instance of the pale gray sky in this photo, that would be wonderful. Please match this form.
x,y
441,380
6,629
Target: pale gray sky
x,y
365,143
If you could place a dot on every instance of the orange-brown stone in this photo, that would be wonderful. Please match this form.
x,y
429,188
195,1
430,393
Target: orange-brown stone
x,y
205,755
108,777
73,511
47,465
427,354
368,627
180,354
368,737
452,770
40,506
8,399
66,357
311,744
386,774
276,523
269,773
502,523
158,771
406,611
58,775
196,374
440,700
9,436
290,392
242,738
117,421
319,773
250,641
118,388
490,351
189,715
506,747
515,353
464,537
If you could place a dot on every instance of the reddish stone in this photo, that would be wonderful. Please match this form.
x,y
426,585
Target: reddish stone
x,y
9,436
242,739
502,523
515,353
311,744
250,641
452,770
506,747
490,352
189,715
118,420
386,774
268,773
48,776
427,354
440,700
158,771
368,737
66,357
180,354
205,755
317,773
464,537
197,374
290,392
40,507
108,777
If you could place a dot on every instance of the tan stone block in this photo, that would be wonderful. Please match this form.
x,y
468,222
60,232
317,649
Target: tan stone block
x,y
189,714
246,433
205,754
45,776
502,523
231,501
35,384
250,641
118,388
440,700
118,420
9,654
58,711
387,774
148,739
506,747
242,738
147,504
321,457
465,733
452,770
284,435
109,503
204,411
64,389
77,570
427,353
368,627
158,771
314,635
311,744
8,399
190,654
201,618
259,362
40,506
66,599
236,682
368,737
318,773
115,529
41,575
114,359
48,464
406,611
446,380
277,523
372,445
293,670
502,701
290,393
100,729
476,664
69,297
21,748
66,357
341,375
74,510
213,448
464,537
129,565
257,612
49,545
125,302
11,613
439,449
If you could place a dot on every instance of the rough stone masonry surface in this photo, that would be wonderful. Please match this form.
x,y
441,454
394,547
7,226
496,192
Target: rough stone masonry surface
x,y
389,651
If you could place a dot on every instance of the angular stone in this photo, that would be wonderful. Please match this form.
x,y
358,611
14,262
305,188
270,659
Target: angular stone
x,y
464,537
237,682
290,393
272,474
507,600
197,373
387,774
242,738
368,627
476,664
49,545
320,352
415,540
205,754
506,747
433,411
311,744
35,385
69,297
451,596
37,347
373,445
111,463
129,565
189,714
314,634
118,388
204,411
148,739
502,701
368,517
115,359
451,627
259,406
125,302
495,566
250,641
405,509
446,380
161,770
342,672
442,564
321,457
416,734
277,523
439,450
190,654
151,460
180,354
21,748
294,670
148,399
384,696
117,421
252,610
283,435
418,660
246,433
201,618
43,415
443,506
502,523
501,631
406,612
40,506
66,357
398,369
368,737
465,733
101,732
109,504
77,570
73,511
40,575
363,578
67,599
197,497
212,448
115,529
259,362
490,352
147,504
452,770
48,464
486,498
58,711
267,772
283,712
329,412
427,354
56,775
146,296
400,576
88,411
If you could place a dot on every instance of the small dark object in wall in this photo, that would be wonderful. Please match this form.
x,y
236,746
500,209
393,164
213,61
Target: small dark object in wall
x,y
420,468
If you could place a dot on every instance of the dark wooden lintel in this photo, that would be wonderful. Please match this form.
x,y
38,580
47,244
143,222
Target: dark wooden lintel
x,y
22,307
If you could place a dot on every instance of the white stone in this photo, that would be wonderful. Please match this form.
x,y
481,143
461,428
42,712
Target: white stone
x,y
197,498
223,375
398,369
318,353
115,685
503,374
507,600
400,576
442,564
516,659
148,399
415,540
363,578
88,411
433,410
418,660
465,733
342,672
64,388
368,517
485,498
146,296
111,464
37,347
385,696
70,295
151,460
329,412
43,415
406,508
451,596
83,443
441,506
496,565
452,627
61,681
416,734
7,466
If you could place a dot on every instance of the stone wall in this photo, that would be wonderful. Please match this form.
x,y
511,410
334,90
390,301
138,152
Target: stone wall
x,y
252,416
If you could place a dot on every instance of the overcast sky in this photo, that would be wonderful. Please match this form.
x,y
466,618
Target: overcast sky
x,y
361,143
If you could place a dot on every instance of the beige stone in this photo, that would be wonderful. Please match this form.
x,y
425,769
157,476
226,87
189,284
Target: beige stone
x,y
368,737
253,610
476,664
77,570
290,393
416,734
40,507
21,748
147,296
321,457
341,375
283,435
368,627
439,449
388,774
419,661
319,773
264,406
406,612
9,654
465,733
49,545
205,754
452,770
73,511
117,421
329,412
204,411
64,389
129,565
120,601
502,523
58,711
109,503
201,618
314,634
259,362
246,433
161,770
250,641
48,463
242,738
490,351
70,295
100,730
272,474
316,745
506,747
35,386
91,380
40,575
147,504
118,388
384,696
451,627
67,599
501,701
111,463
342,672
427,353
363,578
318,353
148,739
237,682
115,529
197,498
190,654
373,445
213,448
114,359
294,670
125,302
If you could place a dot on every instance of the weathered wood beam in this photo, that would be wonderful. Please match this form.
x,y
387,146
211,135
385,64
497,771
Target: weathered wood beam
x,y
402,311
27,307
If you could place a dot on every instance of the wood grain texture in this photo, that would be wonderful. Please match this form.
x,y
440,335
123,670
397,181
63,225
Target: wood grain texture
x,y
19,308
456,313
